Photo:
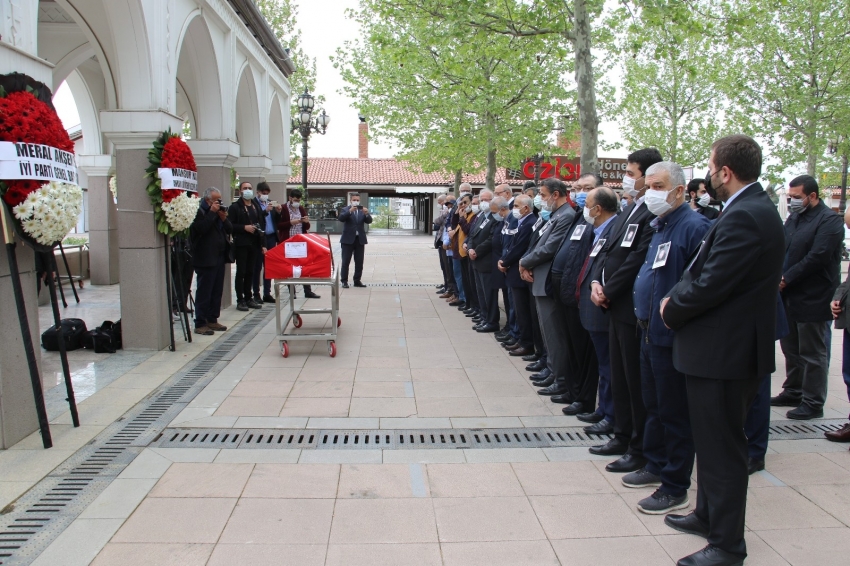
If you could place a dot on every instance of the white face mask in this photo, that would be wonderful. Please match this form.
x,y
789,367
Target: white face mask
x,y
624,203
538,202
355,203
629,186
516,213
264,198
704,200
248,194
547,206
656,202
587,217
484,206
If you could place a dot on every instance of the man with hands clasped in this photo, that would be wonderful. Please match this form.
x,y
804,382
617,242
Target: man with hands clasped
x,y
293,221
353,239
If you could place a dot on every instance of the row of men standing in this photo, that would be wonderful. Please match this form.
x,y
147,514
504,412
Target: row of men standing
x,y
628,304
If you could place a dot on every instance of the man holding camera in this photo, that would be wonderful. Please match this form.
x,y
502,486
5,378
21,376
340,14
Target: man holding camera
x,y
247,219
353,239
208,234
293,221
272,210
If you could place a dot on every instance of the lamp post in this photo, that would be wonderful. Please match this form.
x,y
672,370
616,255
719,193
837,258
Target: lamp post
x,y
305,124
833,148
538,160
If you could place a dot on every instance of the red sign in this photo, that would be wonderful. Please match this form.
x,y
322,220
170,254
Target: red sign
x,y
610,169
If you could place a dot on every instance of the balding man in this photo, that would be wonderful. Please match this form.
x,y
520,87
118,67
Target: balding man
x,y
667,443
504,191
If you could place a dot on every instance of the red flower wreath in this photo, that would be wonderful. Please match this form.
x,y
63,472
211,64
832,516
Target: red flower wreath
x,y
169,151
24,118
176,153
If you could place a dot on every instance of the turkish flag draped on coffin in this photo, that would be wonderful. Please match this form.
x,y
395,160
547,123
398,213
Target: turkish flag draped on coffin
x,y
302,255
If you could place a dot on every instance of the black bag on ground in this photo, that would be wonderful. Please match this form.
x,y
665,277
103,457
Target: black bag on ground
x,y
105,339
73,331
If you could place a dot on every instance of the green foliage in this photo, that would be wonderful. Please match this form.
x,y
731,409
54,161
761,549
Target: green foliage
x,y
75,241
450,94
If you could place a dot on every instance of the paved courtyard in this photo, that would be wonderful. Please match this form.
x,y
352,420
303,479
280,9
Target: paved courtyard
x,y
405,361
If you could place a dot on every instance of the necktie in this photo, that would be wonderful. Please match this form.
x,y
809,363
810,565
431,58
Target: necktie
x,y
581,275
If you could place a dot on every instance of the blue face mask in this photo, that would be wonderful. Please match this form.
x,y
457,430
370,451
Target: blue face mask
x,y
545,214
581,198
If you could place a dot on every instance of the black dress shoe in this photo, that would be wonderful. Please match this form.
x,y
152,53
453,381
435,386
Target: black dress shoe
x,y
613,447
345,285
521,351
557,388
488,328
690,524
573,408
358,284
626,463
504,338
600,428
541,375
241,306
711,556
514,346
531,358
539,365
591,418
312,295
509,342
785,400
251,304
754,466
804,413
544,382
268,299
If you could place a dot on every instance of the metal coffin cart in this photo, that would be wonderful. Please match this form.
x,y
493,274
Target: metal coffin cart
x,y
293,315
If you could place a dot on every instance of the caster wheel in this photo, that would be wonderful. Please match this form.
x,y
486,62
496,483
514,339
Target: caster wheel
x,y
284,349
332,349
297,321
338,322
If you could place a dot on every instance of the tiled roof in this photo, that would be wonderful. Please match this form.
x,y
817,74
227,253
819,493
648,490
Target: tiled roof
x,y
391,172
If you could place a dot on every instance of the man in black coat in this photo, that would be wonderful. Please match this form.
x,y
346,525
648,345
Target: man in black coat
x,y
726,303
209,234
270,222
353,239
509,265
248,218
810,276
614,273
480,249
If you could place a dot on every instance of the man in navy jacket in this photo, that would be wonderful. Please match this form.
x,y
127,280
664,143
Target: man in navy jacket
x,y
509,264
353,239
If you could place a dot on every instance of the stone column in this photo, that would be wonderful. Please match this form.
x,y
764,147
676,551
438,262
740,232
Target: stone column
x,y
277,179
144,308
214,159
103,220
252,168
18,45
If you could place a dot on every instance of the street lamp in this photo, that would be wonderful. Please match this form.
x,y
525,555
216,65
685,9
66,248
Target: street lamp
x,y
305,124
833,148
538,160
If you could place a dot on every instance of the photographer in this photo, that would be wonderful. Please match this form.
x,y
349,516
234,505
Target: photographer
x,y
248,238
208,235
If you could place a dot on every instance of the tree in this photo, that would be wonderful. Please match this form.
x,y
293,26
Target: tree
x,y
793,80
281,15
669,99
450,105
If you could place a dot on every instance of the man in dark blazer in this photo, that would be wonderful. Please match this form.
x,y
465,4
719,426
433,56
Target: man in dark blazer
x,y
603,206
209,234
614,273
353,239
534,267
480,249
726,303
509,265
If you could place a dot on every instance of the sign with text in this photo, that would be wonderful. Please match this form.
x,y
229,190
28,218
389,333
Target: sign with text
x,y
611,169
38,162
174,178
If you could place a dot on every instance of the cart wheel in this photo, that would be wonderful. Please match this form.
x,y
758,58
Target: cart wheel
x,y
284,349
338,322
332,349
296,321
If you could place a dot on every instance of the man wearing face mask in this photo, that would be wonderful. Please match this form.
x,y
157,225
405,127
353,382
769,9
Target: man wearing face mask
x,y
701,199
272,218
353,239
247,218
810,275
523,214
612,281
677,231
293,221
534,267
479,246
467,224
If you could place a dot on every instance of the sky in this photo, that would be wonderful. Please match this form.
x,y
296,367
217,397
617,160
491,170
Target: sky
x,y
324,28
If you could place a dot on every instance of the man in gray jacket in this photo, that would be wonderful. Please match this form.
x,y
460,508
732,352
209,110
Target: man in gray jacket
x,y
534,267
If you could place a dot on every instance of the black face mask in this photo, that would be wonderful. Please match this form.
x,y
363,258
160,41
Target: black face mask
x,y
708,188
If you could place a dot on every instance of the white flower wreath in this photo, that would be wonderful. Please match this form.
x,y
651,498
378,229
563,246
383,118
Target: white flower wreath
x,y
49,213
180,212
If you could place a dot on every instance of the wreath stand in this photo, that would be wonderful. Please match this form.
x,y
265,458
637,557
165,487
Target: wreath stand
x,y
173,290
26,337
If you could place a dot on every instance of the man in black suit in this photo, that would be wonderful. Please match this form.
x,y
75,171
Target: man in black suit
x,y
509,265
614,273
353,239
726,303
480,249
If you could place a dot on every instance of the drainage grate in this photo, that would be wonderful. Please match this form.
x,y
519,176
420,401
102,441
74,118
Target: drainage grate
x,y
31,523
796,430
434,285
376,439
